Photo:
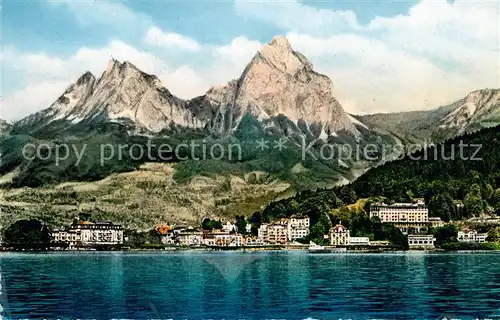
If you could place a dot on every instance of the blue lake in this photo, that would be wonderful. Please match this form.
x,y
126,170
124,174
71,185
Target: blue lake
x,y
244,285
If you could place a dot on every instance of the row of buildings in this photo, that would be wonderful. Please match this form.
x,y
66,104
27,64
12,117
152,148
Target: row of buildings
x,y
284,230
340,236
278,232
413,219
195,237
471,236
86,234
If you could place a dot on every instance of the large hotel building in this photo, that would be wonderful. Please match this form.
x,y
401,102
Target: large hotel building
x,y
88,234
405,216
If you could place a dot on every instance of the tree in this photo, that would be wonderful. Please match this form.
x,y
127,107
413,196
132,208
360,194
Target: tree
x,y
241,224
445,234
347,195
395,236
493,234
487,191
360,225
442,206
252,178
495,200
473,202
320,228
27,234
208,224
378,233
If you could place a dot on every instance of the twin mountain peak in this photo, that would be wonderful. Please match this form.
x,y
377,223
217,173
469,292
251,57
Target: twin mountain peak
x,y
278,81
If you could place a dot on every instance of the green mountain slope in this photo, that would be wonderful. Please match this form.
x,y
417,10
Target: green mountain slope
x,y
439,174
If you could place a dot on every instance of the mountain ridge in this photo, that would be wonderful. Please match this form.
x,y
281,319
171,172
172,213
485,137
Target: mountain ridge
x,y
278,81
444,122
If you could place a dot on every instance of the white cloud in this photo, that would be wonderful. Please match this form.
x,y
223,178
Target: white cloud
x,y
30,99
46,77
157,37
107,13
185,82
239,50
294,16
433,55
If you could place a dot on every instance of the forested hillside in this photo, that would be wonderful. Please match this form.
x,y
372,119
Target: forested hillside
x,y
443,172
439,174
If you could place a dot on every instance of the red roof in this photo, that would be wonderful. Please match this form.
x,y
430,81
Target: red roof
x,y
339,228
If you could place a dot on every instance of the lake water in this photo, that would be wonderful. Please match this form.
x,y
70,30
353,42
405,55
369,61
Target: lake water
x,y
239,285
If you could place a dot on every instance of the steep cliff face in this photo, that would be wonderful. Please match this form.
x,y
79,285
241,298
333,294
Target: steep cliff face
x,y
122,93
279,81
66,107
479,108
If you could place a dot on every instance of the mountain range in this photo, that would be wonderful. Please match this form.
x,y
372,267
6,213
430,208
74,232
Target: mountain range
x,y
278,84
277,81
278,95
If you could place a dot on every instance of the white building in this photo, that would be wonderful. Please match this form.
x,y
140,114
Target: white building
x,y
190,237
359,241
339,236
405,216
285,230
421,241
229,227
224,239
254,241
87,234
298,227
262,231
436,222
277,233
472,236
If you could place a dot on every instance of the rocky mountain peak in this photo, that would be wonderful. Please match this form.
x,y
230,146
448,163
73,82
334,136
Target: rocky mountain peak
x,y
278,81
122,94
281,41
122,70
281,81
479,108
279,54
481,96
87,77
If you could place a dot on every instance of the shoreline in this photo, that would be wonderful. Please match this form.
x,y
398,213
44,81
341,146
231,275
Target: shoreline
x,y
249,250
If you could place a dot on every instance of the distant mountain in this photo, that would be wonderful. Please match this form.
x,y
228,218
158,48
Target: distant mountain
x,y
441,169
278,95
479,109
123,94
278,87
280,81
4,127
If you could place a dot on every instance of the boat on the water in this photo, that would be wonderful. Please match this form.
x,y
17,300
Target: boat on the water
x,y
315,248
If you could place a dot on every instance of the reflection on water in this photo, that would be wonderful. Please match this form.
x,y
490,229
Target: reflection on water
x,y
233,285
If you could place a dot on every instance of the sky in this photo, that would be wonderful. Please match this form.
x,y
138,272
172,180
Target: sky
x,y
382,56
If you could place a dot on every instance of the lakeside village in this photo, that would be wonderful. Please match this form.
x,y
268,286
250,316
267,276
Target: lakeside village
x,y
412,219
